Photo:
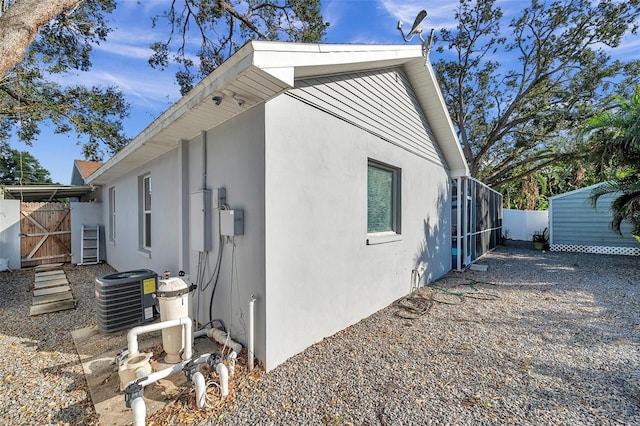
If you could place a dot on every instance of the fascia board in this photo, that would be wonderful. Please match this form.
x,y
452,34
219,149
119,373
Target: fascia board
x,y
586,188
307,60
433,104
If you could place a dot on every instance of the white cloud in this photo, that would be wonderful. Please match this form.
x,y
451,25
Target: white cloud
x,y
440,13
125,50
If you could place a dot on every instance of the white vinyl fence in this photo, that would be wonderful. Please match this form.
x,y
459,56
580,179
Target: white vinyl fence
x,y
521,224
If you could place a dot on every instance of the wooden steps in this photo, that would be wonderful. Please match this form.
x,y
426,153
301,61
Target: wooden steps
x,y
51,290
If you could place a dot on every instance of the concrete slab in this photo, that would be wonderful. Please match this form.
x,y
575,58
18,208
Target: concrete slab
x,y
47,308
97,350
48,273
49,298
50,277
50,283
51,290
48,267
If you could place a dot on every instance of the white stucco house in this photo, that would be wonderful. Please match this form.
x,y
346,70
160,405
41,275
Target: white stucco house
x,y
336,163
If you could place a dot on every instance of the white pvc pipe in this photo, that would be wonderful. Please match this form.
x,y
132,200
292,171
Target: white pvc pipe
x,y
250,354
201,389
223,338
222,371
200,333
138,406
139,411
163,374
185,322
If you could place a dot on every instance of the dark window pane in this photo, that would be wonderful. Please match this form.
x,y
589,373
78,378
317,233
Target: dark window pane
x,y
380,208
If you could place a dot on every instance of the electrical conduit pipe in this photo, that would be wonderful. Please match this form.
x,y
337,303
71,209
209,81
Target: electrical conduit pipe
x,y
251,332
185,322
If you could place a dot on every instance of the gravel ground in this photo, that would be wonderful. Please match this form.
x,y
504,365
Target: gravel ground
x,y
550,338
41,378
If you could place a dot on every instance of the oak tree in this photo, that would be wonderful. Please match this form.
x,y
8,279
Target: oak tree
x,y
221,27
518,91
41,42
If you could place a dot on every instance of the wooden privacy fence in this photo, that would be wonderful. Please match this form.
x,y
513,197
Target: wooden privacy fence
x,y
45,233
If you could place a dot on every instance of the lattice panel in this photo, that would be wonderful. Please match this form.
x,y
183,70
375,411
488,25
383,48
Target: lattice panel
x,y
627,251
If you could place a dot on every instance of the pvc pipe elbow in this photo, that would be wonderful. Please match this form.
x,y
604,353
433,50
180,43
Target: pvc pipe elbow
x,y
185,322
223,338
201,389
139,411
223,373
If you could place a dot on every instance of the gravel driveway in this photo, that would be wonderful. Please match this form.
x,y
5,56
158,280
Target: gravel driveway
x,y
539,338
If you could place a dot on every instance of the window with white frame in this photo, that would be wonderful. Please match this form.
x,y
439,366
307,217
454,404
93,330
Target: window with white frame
x,y
144,187
112,214
383,198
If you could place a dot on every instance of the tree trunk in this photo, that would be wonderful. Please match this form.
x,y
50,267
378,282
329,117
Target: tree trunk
x,y
20,24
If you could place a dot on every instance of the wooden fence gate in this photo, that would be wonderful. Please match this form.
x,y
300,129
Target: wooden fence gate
x,y
45,233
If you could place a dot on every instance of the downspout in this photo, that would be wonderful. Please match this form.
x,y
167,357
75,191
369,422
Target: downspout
x,y
183,211
204,159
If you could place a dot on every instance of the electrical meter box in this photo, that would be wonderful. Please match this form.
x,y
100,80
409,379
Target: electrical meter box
x,y
232,222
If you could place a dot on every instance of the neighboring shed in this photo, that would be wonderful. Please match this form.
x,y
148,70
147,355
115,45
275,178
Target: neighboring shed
x,y
575,225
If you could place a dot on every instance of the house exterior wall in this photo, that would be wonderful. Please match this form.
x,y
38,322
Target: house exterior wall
x,y
234,161
10,232
576,226
297,167
321,275
124,253
85,214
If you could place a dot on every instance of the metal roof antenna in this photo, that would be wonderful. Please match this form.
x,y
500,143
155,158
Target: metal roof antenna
x,y
417,29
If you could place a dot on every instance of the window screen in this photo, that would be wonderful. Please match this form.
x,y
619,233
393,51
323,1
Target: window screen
x,y
382,198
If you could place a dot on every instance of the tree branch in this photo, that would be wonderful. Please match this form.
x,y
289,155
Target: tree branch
x,y
19,26
226,6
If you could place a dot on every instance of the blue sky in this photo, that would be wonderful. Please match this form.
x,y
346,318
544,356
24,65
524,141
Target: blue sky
x,y
122,60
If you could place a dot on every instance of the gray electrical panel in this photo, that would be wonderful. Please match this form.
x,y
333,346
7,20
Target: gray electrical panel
x,y
232,222
200,220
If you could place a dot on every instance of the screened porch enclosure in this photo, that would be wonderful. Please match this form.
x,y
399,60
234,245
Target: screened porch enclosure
x,y
477,224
